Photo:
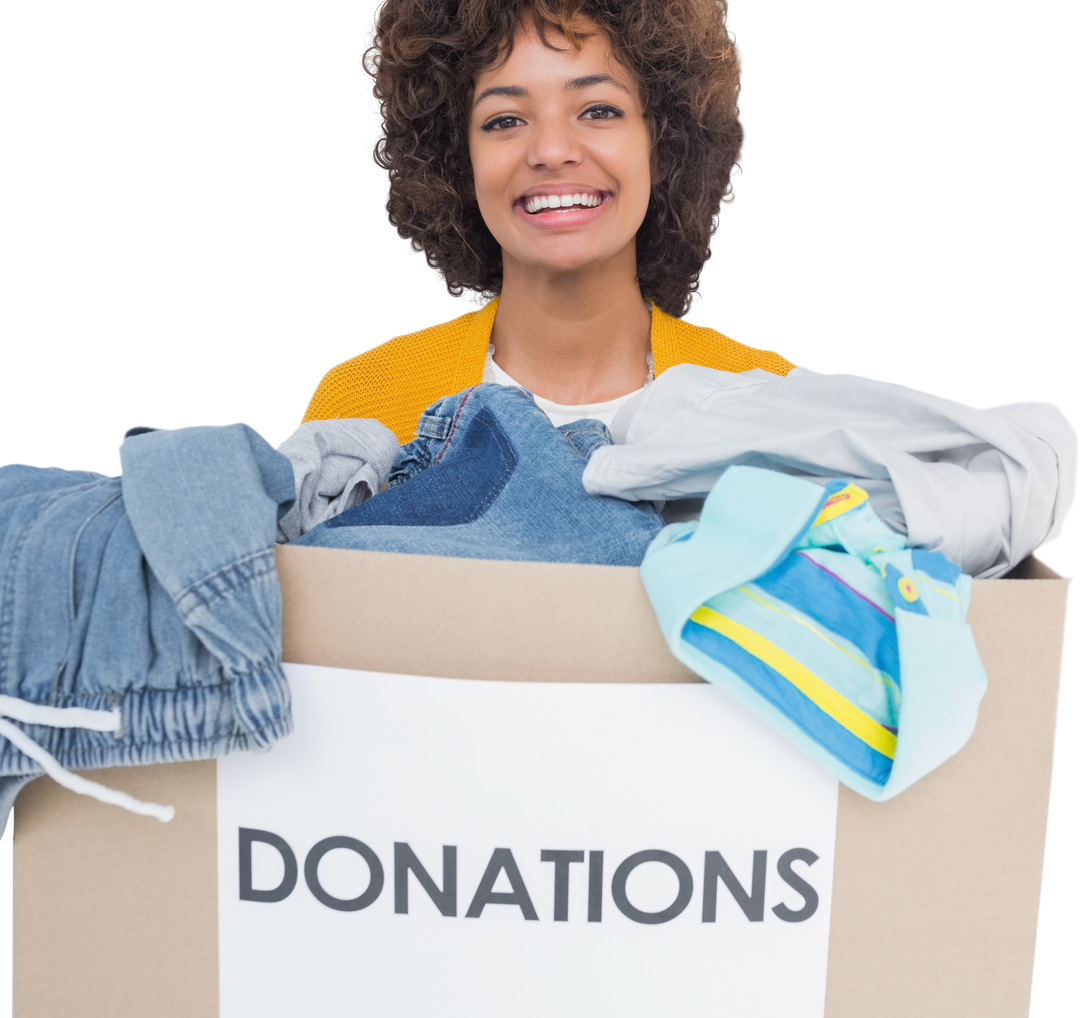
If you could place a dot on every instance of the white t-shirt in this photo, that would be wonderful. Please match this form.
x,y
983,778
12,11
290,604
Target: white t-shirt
x,y
560,413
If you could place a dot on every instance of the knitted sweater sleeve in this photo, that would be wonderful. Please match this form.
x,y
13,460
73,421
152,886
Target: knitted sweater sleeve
x,y
396,381
675,341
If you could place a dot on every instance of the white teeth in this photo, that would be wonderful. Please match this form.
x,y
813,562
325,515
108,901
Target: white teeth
x,y
555,201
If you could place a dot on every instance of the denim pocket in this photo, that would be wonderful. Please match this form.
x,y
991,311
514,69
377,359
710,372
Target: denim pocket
x,y
455,491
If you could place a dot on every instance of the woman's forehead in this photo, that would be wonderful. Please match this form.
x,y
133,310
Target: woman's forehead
x,y
553,61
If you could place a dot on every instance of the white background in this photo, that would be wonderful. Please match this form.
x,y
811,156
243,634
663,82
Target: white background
x,y
618,769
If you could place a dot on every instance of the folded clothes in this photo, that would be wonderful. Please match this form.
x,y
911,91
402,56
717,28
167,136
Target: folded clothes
x,y
140,617
489,476
796,599
983,487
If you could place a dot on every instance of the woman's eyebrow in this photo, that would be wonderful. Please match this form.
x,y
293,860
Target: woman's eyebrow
x,y
514,91
518,92
594,79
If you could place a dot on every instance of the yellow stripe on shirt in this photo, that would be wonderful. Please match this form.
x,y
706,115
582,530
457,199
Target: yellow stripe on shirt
x,y
815,689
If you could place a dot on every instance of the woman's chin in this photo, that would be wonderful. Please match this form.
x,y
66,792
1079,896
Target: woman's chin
x,y
570,255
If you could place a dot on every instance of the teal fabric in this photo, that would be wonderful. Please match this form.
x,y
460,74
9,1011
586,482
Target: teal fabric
x,y
879,623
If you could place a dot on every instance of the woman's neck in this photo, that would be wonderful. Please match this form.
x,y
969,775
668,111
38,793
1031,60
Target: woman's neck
x,y
573,338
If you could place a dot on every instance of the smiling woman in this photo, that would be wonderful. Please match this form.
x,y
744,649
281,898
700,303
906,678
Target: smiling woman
x,y
561,152
567,158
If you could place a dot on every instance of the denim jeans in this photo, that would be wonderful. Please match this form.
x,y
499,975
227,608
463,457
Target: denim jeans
x,y
489,476
150,598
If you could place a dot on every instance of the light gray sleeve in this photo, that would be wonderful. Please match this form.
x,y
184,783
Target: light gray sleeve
x,y
336,464
984,487
1048,426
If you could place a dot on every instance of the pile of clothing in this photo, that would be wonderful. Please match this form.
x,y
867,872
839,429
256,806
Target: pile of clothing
x,y
807,542
140,616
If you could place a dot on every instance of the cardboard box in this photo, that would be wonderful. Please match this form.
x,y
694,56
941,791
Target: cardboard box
x,y
935,894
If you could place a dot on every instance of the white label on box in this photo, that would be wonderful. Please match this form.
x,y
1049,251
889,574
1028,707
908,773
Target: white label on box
x,y
423,847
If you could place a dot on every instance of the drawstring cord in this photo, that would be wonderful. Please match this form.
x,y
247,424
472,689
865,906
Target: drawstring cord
x,y
71,717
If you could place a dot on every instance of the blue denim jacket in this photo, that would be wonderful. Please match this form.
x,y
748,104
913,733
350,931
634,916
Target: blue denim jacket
x,y
151,599
489,476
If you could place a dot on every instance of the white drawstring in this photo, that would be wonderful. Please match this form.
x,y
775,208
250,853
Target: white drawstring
x,y
71,717
59,717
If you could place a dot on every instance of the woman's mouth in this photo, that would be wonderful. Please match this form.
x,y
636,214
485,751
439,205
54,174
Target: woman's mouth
x,y
559,211
540,203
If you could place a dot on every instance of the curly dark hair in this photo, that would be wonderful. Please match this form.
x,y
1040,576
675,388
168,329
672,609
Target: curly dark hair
x,y
425,57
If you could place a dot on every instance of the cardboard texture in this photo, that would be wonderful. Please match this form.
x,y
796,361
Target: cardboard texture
x,y
936,892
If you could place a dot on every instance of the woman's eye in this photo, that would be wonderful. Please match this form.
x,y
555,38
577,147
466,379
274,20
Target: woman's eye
x,y
502,122
505,121
602,111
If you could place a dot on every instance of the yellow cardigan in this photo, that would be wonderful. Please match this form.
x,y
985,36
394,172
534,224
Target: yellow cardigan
x,y
397,381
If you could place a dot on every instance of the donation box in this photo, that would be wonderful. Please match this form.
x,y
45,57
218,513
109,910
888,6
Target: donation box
x,y
504,797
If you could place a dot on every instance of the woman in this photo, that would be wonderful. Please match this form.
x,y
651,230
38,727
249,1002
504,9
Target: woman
x,y
567,158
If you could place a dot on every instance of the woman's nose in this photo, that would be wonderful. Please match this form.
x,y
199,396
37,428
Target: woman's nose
x,y
553,145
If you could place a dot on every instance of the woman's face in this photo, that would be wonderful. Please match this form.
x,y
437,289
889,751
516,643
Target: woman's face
x,y
560,153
